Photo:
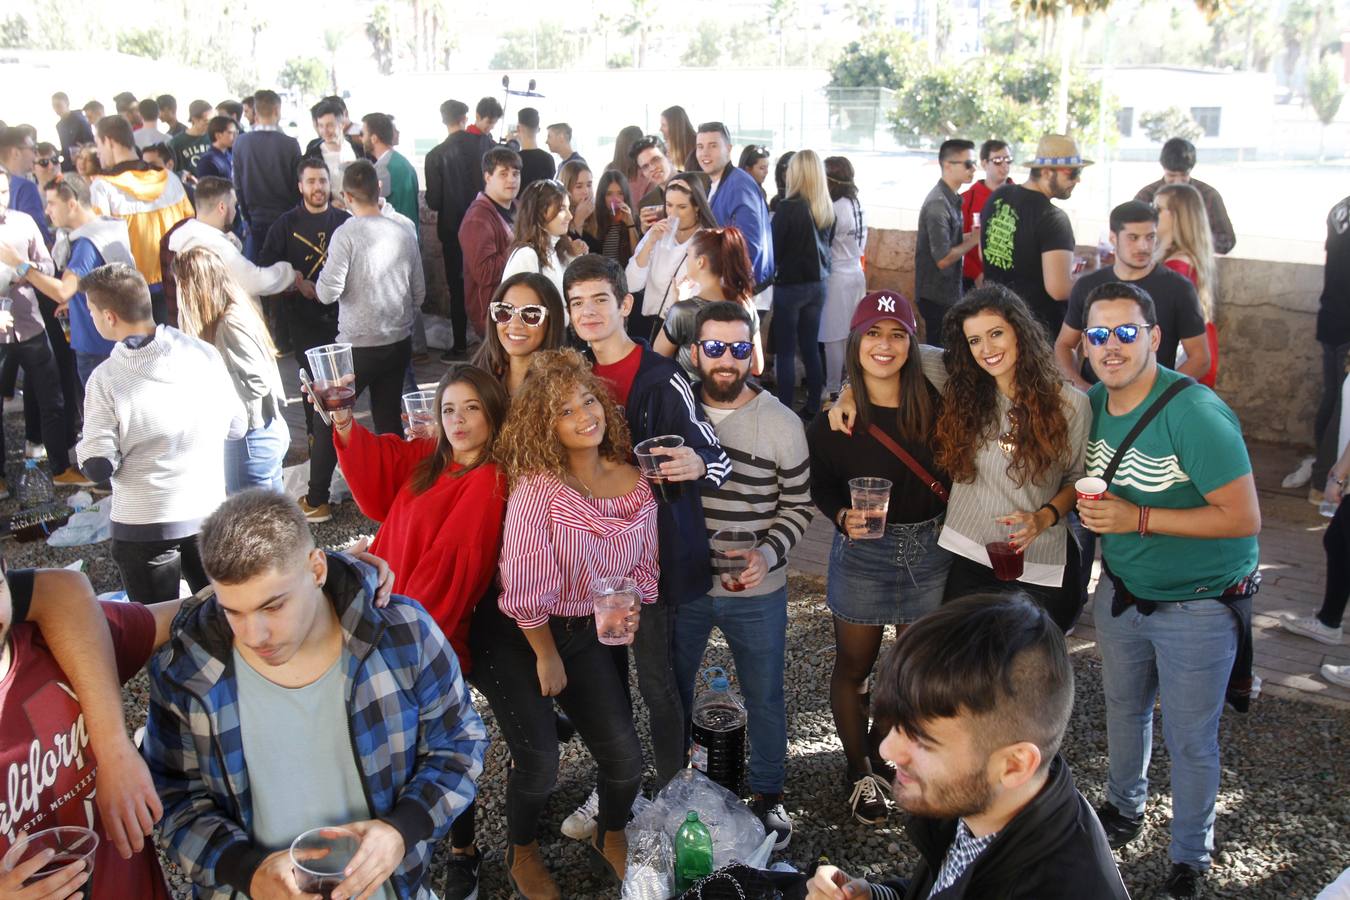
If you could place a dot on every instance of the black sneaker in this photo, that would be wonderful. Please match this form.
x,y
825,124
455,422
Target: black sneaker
x,y
1120,829
866,802
461,876
769,808
1184,881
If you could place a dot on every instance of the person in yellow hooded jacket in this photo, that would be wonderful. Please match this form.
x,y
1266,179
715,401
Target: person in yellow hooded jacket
x,y
150,199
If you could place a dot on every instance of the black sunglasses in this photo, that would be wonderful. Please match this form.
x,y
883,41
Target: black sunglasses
x,y
1127,334
46,161
716,349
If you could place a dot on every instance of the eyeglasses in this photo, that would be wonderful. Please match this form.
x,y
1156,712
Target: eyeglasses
x,y
1127,334
533,315
716,349
1000,160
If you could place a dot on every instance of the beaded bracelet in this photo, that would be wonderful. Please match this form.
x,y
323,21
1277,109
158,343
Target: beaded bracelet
x,y
1143,521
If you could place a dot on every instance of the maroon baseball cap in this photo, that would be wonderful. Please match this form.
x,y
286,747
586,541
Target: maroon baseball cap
x,y
880,305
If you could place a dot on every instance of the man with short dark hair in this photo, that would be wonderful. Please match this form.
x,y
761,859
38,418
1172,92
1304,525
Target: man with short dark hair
x,y
996,159
293,643
535,164
1173,612
149,133
1134,236
768,494
264,174
454,170
1178,159
1026,241
940,245
979,693
333,146
653,161
559,141
301,237
232,108
487,114
17,152
398,179
249,107
72,128
168,114
93,111
485,234
218,158
191,142
736,199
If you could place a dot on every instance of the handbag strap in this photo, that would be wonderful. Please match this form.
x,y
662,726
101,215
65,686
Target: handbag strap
x,y
910,462
1149,414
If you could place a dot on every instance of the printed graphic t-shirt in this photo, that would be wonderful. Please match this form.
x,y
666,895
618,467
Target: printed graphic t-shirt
x,y
1017,226
45,756
1192,447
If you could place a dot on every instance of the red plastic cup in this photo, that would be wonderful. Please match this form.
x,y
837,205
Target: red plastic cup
x,y
1090,488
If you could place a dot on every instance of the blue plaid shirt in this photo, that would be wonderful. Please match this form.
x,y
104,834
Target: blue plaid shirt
x,y
417,740
965,849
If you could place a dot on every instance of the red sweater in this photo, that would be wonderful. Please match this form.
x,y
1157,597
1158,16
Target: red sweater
x,y
447,568
1185,269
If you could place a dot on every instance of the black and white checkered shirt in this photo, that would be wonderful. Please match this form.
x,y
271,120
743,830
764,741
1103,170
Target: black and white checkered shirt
x,y
965,849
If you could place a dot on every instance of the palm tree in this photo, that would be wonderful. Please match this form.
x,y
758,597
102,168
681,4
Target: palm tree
x,y
780,13
333,39
640,21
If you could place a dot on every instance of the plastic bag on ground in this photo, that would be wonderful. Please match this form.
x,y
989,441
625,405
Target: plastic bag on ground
x,y
736,831
89,526
651,866
440,333
295,483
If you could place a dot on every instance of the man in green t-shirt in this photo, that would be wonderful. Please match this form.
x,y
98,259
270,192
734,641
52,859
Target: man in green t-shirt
x,y
188,146
1178,527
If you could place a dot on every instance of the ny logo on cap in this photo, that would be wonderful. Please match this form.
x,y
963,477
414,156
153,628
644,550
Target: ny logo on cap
x,y
886,304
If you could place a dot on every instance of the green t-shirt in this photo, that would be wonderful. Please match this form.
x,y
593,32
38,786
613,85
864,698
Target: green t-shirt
x,y
187,149
1191,448
403,186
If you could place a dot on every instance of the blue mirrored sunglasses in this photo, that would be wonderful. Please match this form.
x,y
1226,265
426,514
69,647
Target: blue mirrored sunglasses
x,y
1127,334
715,349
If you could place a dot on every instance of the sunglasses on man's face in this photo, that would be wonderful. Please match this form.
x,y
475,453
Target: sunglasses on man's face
x,y
1000,160
716,349
1127,334
968,163
45,161
533,315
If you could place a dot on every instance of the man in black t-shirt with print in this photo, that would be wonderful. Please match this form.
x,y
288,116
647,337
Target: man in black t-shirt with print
x,y
1026,241
1134,234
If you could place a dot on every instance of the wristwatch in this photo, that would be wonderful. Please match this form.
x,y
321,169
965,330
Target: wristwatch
x,y
22,269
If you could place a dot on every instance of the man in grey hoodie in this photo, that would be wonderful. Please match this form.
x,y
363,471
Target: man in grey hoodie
x,y
767,495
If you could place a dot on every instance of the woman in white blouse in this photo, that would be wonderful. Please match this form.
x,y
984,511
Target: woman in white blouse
x,y
847,282
658,266
542,244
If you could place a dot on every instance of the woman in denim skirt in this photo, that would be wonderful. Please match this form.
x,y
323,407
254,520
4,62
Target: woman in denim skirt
x,y
897,572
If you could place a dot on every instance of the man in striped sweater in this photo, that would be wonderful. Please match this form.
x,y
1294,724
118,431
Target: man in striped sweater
x,y
768,494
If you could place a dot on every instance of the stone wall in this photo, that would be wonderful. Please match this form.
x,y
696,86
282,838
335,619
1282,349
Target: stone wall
x,y
1269,359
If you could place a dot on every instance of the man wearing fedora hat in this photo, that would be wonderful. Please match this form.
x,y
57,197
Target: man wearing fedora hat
x,y
1027,242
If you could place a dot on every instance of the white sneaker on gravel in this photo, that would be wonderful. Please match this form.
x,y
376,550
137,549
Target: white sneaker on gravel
x,y
1336,674
1300,476
580,825
1311,627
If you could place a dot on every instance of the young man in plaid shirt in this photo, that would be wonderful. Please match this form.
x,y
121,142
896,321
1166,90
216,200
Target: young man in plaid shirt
x,y
287,700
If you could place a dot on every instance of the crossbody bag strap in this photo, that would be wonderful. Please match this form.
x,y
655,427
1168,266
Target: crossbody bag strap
x,y
1149,415
910,462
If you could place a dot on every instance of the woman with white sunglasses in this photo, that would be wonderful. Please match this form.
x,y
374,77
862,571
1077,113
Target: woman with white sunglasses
x,y
526,316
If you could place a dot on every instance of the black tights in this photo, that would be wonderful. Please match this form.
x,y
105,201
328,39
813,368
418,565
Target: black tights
x,y
1337,544
855,652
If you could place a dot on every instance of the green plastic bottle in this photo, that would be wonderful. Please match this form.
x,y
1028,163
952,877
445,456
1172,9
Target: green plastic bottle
x,y
693,852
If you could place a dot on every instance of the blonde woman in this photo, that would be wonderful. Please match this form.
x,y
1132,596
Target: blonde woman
x,y
803,228
213,307
1186,246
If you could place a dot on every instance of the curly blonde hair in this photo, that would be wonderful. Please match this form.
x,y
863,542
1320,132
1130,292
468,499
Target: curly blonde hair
x,y
528,443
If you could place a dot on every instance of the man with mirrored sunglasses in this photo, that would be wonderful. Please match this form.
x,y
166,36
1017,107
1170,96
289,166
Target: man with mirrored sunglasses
x,y
941,245
996,160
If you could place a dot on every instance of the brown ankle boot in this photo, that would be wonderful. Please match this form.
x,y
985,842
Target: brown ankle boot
x,y
613,848
528,875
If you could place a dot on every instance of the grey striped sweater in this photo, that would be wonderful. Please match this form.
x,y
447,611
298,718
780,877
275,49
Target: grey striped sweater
x,y
769,491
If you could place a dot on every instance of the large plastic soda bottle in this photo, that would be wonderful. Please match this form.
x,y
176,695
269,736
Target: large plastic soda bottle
x,y
719,720
693,852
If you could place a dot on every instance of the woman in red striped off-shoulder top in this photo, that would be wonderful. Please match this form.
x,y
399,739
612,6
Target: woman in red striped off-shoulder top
x,y
577,512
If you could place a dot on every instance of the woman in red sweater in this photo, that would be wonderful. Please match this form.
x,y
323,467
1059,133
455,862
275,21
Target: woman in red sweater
x,y
413,489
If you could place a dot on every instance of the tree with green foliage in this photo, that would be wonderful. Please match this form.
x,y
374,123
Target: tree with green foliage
x,y
306,75
705,46
881,59
642,19
546,46
1164,124
781,14
1325,93
14,32
147,42
380,33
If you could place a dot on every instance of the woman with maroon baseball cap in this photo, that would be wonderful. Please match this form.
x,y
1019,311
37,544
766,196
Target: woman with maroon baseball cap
x,y
886,567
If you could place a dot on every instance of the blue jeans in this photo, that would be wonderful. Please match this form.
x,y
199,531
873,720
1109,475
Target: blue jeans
x,y
254,460
756,629
796,326
891,580
86,363
1184,650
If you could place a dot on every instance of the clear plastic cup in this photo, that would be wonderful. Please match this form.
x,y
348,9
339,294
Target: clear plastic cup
x,y
1005,559
70,843
420,407
318,857
730,567
614,599
330,368
872,497
649,464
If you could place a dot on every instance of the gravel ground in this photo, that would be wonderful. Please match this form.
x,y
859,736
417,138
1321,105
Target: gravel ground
x,y
1284,809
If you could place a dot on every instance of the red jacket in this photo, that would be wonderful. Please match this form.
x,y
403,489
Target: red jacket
x,y
485,238
442,544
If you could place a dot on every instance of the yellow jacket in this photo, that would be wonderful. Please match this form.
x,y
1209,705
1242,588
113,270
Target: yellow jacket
x,y
151,201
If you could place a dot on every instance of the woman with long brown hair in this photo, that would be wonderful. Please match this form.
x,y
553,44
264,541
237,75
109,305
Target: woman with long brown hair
x,y
212,306
413,488
579,183
623,161
578,511
1186,246
615,227
525,316
541,225
1013,436
680,137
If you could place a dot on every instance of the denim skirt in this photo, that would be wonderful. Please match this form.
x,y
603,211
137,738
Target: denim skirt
x,y
891,580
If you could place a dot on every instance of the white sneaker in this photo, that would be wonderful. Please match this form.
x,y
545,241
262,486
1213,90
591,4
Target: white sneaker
x,y
1336,674
34,451
1311,627
1300,476
580,825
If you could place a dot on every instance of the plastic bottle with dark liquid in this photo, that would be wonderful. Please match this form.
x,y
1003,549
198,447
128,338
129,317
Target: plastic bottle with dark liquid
x,y
718,729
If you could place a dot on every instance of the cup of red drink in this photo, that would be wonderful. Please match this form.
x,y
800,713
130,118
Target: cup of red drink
x,y
70,844
420,408
615,599
334,377
1090,488
730,555
649,461
319,857
1005,559
872,497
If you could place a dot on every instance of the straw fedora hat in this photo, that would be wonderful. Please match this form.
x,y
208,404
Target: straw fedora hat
x,y
1057,151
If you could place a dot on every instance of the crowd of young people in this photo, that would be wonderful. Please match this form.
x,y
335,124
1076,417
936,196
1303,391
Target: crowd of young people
x,y
497,523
